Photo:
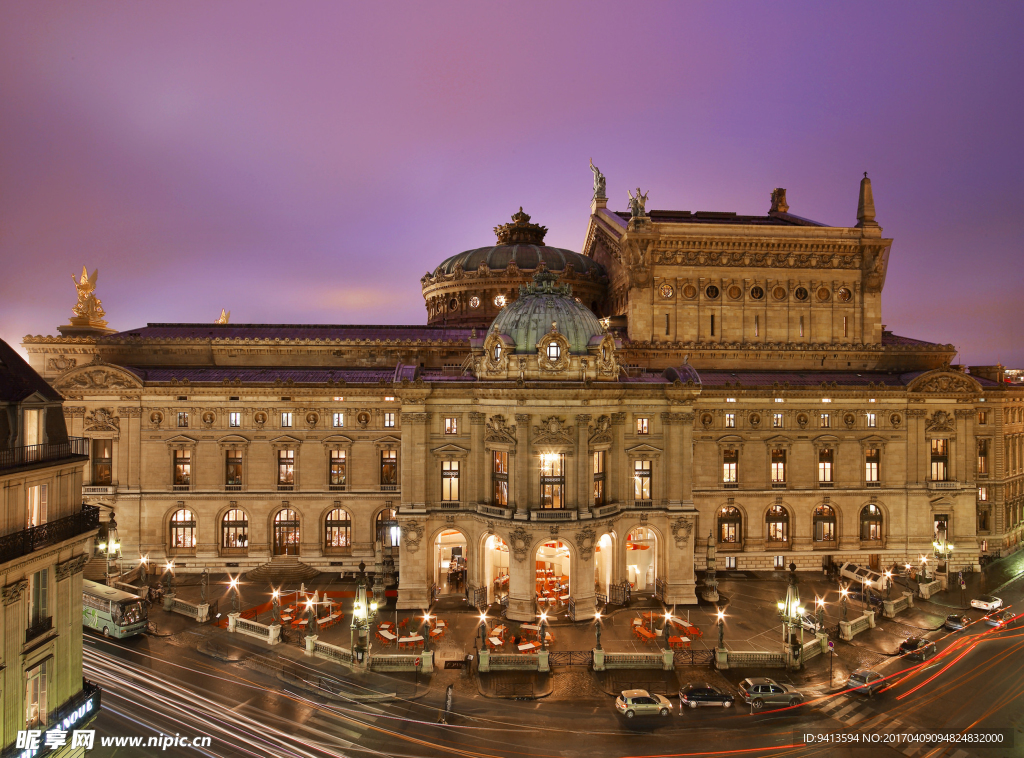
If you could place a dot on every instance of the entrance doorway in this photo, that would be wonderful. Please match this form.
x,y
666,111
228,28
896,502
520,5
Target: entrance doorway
x,y
450,563
604,562
641,559
286,532
495,568
553,563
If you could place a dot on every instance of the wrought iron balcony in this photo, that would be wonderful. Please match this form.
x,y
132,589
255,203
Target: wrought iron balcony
x,y
39,628
51,452
27,540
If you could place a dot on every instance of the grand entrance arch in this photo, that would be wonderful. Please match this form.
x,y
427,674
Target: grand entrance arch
x,y
495,568
642,559
553,566
286,532
450,568
604,563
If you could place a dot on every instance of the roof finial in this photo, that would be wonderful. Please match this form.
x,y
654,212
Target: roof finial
x,y
224,316
779,204
866,205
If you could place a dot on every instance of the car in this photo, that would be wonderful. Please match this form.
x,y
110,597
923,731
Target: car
x,y
1002,619
956,621
632,703
915,647
987,602
809,622
858,597
865,681
761,691
693,696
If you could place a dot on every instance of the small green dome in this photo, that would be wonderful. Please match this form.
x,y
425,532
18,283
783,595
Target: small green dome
x,y
530,317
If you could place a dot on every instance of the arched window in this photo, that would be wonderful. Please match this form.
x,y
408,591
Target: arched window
x,y
497,351
777,520
234,529
824,524
871,522
729,524
554,350
338,529
386,528
183,529
286,532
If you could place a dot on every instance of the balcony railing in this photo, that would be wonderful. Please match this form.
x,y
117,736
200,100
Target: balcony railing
x,y
389,488
950,485
336,487
24,542
99,489
28,455
39,628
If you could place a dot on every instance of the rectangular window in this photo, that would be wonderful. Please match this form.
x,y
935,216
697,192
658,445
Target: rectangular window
x,y
666,325
338,470
102,468
183,419
38,591
36,711
780,561
871,419
285,468
778,466
846,329
757,326
826,420
552,480
451,426
825,460
450,481
389,399
983,493
642,426
941,526
599,477
776,420
389,420
286,419
872,459
824,529
730,460
339,420
36,514
233,468
182,468
730,561
982,457
983,417
33,428
389,468
234,419
641,480
730,420
940,460
499,475
712,326
801,326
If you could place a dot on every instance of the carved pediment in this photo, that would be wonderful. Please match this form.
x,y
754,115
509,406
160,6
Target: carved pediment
x,y
553,431
233,440
500,431
97,377
940,421
180,440
387,440
102,419
336,439
450,451
945,382
643,450
286,440
601,430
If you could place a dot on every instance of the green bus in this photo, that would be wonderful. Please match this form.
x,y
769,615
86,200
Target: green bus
x,y
113,612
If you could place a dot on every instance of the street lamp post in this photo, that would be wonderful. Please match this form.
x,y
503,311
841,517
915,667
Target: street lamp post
x,y
844,592
543,630
143,571
362,613
483,631
597,629
721,629
820,603
888,585
235,600
924,567
792,613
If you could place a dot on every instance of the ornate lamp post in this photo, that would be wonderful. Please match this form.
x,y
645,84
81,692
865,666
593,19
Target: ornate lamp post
x,y
888,585
235,600
820,603
543,630
710,591
597,629
791,613
143,571
943,551
844,591
169,577
483,631
110,547
362,613
924,567
275,608
721,629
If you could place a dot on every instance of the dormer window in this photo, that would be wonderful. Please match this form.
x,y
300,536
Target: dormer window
x,y
554,351
497,351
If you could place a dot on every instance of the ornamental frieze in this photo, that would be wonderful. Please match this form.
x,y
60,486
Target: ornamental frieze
x,y
519,542
499,431
131,411
71,566
944,382
12,592
682,528
553,431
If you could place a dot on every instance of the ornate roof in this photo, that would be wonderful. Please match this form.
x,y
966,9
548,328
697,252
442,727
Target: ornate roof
x,y
543,307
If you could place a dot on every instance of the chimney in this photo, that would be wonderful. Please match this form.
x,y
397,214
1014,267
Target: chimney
x,y
779,204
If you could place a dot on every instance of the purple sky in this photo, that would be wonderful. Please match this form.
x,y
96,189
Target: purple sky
x,y
304,162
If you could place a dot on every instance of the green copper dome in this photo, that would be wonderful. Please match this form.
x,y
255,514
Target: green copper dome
x,y
526,320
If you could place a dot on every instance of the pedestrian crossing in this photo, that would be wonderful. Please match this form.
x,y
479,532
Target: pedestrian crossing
x,y
863,713
324,722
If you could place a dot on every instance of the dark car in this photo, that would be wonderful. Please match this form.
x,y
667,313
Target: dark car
x,y
865,681
1001,619
761,691
956,621
917,648
859,597
693,696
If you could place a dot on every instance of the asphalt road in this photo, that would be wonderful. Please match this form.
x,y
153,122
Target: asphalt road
x,y
152,687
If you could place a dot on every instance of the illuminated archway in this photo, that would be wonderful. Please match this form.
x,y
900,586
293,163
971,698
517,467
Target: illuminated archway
x,y
604,563
495,568
450,567
552,563
642,559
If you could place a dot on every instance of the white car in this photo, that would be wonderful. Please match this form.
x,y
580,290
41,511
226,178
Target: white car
x,y
809,622
987,602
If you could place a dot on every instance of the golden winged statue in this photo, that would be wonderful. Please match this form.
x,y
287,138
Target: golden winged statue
x,y
224,317
88,306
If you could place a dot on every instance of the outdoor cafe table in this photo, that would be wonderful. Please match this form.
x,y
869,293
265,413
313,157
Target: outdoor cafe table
x,y
437,632
564,598
494,642
498,631
387,635
676,642
531,628
301,622
411,640
527,647
285,618
386,625
440,624
331,619
645,634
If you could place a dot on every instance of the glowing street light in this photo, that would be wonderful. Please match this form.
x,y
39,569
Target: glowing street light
x,y
888,585
543,628
597,628
721,629
820,603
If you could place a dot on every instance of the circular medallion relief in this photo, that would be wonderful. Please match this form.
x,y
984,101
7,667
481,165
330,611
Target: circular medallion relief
x,y
800,293
895,420
208,418
823,294
735,292
666,290
844,295
711,292
156,417
453,304
849,419
801,420
755,420
499,300
706,420
474,302
757,293
689,292
363,418
779,293
260,418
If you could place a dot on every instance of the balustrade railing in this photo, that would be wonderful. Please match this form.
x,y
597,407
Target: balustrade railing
x,y
24,542
26,455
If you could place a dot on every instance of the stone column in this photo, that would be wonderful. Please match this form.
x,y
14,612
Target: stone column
x,y
582,580
477,490
617,475
680,582
413,586
917,456
585,479
413,464
522,580
672,468
685,420
522,469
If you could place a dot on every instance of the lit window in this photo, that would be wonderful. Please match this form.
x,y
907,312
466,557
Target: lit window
x,y
388,467
824,521
552,480
777,521
730,420
599,477
871,400
729,523
730,460
641,480
778,466
872,420
940,460
872,458
389,399
730,400
499,476
450,481
234,529
451,425
389,419
554,351
285,468
641,426
339,399
983,493
983,457
826,400
233,468
339,469
339,420
183,419
871,523
338,529
825,461
183,529
36,709
780,561
982,417
826,421
286,419
779,400
730,561
102,463
234,419
182,468
37,497
777,420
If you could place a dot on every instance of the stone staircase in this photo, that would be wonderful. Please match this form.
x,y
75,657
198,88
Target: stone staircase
x,y
96,570
283,569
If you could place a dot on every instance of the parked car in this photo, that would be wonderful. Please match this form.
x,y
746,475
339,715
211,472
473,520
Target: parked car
x,y
859,597
693,696
1001,619
956,621
987,602
632,703
761,691
809,622
915,647
865,681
